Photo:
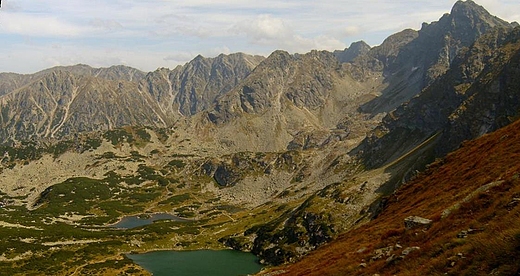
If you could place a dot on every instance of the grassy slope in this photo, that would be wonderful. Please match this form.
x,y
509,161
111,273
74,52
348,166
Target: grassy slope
x,y
494,248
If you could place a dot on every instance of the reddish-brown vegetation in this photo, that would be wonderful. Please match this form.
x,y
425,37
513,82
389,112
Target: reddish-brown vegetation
x,y
492,216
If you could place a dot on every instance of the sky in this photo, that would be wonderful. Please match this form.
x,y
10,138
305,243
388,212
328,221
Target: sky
x,y
149,34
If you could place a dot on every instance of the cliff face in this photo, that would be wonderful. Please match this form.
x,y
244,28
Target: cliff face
x,y
64,100
11,81
493,102
300,80
61,103
116,72
411,61
290,98
192,88
477,95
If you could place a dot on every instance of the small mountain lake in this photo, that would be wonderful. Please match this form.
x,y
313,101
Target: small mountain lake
x,y
199,262
141,220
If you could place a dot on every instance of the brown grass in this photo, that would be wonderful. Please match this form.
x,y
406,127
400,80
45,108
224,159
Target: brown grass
x,y
494,248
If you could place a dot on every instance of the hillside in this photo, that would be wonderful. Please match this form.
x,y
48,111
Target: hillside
x,y
471,198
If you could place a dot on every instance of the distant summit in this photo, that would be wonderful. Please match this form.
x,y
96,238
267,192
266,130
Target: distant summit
x,y
355,50
429,55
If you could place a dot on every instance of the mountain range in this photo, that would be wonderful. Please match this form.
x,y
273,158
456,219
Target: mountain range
x,y
321,145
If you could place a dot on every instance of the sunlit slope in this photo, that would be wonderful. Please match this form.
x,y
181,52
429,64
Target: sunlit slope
x,y
472,199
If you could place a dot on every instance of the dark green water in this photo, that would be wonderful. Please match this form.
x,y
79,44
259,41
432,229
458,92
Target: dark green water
x,y
136,221
197,263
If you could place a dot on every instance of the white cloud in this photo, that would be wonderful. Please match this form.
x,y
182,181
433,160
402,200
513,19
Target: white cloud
x,y
349,31
180,57
268,30
8,6
39,26
263,29
105,24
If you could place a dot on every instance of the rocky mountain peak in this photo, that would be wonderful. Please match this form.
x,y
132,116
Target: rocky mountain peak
x,y
278,57
116,72
59,102
281,80
199,57
467,9
301,79
193,87
391,46
478,94
359,46
198,62
420,60
355,50
454,31
468,21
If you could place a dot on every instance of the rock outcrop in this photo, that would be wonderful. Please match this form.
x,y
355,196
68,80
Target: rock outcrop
x,y
415,222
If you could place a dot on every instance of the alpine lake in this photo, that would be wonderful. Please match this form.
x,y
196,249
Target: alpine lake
x,y
199,262
186,263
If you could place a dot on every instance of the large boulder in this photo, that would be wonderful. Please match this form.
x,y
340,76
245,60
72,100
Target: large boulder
x,y
415,221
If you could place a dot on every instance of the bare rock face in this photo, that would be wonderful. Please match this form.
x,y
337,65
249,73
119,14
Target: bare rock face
x,y
477,95
64,100
287,97
420,60
193,88
303,80
229,170
310,89
60,103
379,58
112,73
11,81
